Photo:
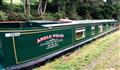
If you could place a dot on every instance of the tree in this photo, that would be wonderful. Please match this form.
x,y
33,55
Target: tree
x,y
26,7
42,7
86,7
61,5
67,8
11,4
116,5
1,2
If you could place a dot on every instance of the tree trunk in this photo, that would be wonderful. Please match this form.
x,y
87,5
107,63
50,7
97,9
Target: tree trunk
x,y
64,9
45,7
27,7
40,7
59,6
11,3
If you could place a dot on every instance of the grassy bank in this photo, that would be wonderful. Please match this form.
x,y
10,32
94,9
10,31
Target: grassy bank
x,y
112,62
83,56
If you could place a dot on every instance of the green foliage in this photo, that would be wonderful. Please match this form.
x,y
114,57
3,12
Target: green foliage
x,y
85,11
1,2
74,16
87,16
59,15
57,9
3,16
7,8
18,8
108,11
100,16
49,16
19,16
96,12
54,16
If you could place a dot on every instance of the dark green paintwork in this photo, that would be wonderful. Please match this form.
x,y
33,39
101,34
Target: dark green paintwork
x,y
96,29
26,45
88,31
8,52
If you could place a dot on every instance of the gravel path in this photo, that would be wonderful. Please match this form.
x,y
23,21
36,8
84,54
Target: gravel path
x,y
103,56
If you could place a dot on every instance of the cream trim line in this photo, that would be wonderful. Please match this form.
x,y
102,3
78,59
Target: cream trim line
x,y
14,48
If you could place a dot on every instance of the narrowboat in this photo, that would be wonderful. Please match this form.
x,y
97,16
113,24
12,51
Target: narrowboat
x,y
26,43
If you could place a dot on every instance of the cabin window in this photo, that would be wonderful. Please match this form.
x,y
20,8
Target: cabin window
x,y
93,30
101,28
80,33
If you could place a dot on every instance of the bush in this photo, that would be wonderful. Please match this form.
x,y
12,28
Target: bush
x,y
100,16
74,16
49,16
3,16
19,16
18,8
59,15
87,16
7,7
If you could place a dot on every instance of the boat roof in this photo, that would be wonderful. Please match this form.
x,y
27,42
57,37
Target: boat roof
x,y
47,23
43,21
11,22
31,21
79,22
